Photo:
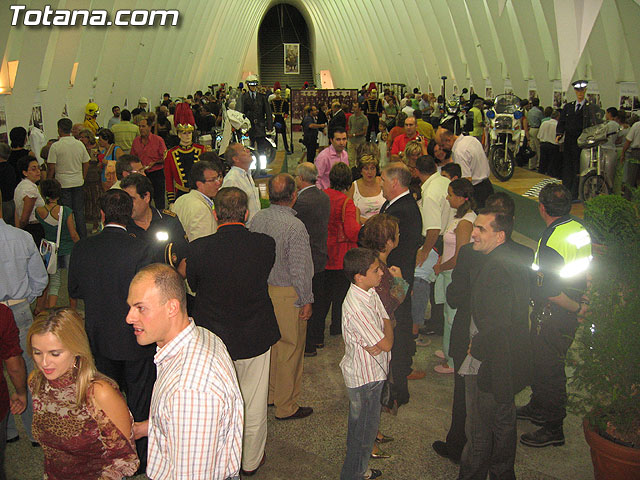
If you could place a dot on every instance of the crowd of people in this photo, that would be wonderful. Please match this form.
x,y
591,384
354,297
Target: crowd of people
x,y
235,296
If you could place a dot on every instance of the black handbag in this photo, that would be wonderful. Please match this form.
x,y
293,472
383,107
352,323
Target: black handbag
x,y
387,396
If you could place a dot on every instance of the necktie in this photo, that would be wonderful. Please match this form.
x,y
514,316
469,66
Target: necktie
x,y
384,206
578,107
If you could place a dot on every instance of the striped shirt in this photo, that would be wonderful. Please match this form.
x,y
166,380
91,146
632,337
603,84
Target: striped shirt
x,y
196,421
363,326
294,264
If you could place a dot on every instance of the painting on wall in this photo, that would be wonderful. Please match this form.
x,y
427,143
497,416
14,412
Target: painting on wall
x,y
292,58
36,117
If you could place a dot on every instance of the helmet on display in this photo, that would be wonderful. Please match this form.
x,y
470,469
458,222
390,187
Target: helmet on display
x,y
92,109
183,118
252,80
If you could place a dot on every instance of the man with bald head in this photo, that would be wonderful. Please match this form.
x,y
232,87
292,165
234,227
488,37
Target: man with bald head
x,y
290,289
238,158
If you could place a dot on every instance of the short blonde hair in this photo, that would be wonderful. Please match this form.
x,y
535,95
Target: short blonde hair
x,y
68,326
412,148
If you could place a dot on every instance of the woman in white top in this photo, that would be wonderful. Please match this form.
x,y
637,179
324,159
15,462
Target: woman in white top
x,y
366,192
27,198
457,234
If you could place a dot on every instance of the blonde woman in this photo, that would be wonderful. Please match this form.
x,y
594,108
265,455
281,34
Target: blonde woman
x,y
79,416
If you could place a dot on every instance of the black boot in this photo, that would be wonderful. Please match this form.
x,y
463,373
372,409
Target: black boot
x,y
529,412
543,437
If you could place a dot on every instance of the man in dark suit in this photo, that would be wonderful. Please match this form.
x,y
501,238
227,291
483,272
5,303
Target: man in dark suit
x,y
313,208
496,367
255,106
570,125
468,265
100,270
401,204
232,300
338,118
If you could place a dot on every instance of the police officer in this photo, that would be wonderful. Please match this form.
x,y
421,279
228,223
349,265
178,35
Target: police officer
x,y
560,273
573,118
280,108
160,229
255,106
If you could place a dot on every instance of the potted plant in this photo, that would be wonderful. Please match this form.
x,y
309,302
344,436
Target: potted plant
x,y
606,354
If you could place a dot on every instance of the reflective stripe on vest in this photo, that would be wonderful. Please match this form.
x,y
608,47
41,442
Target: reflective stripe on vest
x,y
573,243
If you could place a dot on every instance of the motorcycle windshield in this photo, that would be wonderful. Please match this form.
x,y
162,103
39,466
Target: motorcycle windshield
x,y
507,103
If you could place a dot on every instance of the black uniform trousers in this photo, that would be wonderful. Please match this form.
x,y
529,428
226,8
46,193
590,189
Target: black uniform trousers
x,y
571,165
549,387
456,437
135,378
281,130
374,121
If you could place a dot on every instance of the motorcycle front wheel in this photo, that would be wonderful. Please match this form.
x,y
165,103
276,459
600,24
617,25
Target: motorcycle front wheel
x,y
593,185
501,168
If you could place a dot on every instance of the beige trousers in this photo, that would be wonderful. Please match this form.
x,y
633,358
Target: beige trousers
x,y
287,354
253,377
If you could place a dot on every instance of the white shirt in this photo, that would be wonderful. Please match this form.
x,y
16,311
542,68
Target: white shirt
x,y
68,155
237,177
633,136
196,417
26,188
612,130
547,132
363,326
408,110
434,207
467,152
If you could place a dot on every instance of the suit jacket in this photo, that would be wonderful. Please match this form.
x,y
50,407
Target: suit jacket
x,y
195,215
468,264
232,296
259,112
500,310
407,212
337,120
313,208
100,272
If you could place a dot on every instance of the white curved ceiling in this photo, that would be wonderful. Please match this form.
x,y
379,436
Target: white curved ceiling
x,y
473,42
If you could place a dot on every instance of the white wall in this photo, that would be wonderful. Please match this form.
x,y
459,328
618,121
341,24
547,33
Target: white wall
x,y
405,41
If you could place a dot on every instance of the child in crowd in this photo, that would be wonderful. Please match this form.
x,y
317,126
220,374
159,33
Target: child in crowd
x,y
368,337
451,170
424,276
381,140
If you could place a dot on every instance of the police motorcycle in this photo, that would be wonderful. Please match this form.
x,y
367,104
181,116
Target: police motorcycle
x,y
594,159
454,112
505,135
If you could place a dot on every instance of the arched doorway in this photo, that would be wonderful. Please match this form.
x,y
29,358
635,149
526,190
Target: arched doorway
x,y
284,24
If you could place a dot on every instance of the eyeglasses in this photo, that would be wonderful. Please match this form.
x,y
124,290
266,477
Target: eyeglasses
x,y
215,179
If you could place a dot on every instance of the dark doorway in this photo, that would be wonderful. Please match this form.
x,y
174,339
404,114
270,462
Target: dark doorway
x,y
283,24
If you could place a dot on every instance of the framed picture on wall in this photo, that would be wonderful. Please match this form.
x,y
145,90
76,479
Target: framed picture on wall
x,y
292,58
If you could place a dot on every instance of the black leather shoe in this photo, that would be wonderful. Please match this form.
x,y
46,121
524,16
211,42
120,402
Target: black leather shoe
x,y
249,473
310,353
319,345
374,473
302,412
543,438
442,449
527,412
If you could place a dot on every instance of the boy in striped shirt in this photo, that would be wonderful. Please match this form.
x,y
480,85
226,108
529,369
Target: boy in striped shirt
x,y
368,337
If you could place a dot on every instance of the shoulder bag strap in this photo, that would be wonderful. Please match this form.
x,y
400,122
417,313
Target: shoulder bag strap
x,y
60,220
